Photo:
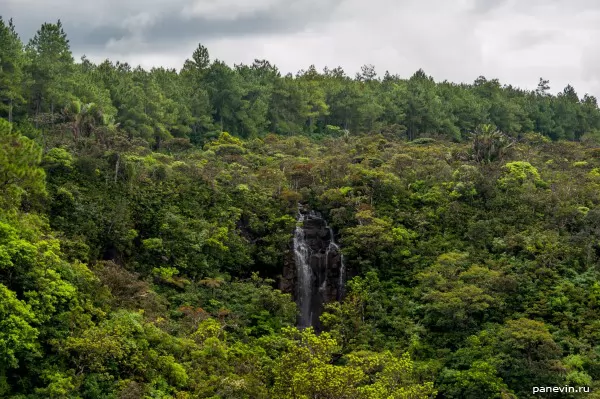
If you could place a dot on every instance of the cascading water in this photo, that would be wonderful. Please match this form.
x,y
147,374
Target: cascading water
x,y
319,267
302,252
342,282
336,248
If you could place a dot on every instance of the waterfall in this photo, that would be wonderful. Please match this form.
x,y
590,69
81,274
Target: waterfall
x,y
302,252
336,248
342,282
319,267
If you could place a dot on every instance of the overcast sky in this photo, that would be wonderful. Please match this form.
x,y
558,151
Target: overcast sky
x,y
515,41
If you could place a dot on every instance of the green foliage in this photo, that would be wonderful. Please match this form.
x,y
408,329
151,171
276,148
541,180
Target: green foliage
x,y
146,217
487,302
50,65
304,371
208,97
17,336
490,144
19,170
481,380
12,75
518,174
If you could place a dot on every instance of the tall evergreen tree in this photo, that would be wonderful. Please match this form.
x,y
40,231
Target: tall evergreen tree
x,y
11,69
50,68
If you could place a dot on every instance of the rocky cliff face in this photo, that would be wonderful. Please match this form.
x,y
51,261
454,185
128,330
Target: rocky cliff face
x,y
314,271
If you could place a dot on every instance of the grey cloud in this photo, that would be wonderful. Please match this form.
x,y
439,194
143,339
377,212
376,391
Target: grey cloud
x,y
98,36
528,39
486,6
568,7
532,7
168,26
455,40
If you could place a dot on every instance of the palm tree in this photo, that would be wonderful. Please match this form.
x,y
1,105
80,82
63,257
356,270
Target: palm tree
x,y
490,144
84,119
212,283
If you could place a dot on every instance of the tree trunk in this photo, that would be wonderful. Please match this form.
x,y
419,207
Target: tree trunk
x,y
117,167
37,112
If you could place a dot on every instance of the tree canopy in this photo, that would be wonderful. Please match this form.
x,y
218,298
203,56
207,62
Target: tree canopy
x,y
146,216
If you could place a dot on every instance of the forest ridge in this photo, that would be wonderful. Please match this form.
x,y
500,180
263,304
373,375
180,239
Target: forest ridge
x,y
145,218
41,82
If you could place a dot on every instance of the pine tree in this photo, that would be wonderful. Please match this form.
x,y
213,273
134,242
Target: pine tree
x,y
11,69
51,68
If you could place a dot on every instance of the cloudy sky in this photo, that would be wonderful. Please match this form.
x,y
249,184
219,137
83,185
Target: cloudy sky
x,y
515,41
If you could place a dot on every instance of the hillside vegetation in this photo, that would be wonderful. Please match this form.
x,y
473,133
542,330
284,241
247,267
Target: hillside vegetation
x,y
145,218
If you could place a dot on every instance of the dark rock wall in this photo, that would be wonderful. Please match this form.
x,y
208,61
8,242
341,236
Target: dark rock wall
x,y
325,262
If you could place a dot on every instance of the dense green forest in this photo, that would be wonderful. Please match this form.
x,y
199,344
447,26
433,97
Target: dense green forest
x,y
145,217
